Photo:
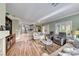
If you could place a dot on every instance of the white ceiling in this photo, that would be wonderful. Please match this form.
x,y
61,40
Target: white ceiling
x,y
41,12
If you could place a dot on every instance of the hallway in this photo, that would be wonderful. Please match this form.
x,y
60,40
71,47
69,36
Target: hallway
x,y
28,47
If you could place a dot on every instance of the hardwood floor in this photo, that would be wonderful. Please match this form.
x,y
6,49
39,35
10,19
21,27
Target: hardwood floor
x,y
28,47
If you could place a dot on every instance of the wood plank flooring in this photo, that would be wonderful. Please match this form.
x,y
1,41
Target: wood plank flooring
x,y
27,47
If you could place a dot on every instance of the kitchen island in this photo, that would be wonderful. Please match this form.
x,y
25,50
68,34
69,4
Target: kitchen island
x,y
3,34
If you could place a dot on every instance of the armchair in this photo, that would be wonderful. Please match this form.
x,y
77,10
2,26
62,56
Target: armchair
x,y
60,39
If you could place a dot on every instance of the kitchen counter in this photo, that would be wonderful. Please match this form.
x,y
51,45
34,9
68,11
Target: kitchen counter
x,y
3,34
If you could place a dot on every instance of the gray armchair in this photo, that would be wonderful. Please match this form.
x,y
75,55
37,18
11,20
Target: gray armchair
x,y
60,39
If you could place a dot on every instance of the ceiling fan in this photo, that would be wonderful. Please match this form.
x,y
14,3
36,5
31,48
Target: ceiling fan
x,y
54,4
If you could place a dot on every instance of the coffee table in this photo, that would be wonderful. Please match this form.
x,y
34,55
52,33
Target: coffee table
x,y
46,43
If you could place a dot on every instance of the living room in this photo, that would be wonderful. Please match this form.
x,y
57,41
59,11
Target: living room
x,y
39,29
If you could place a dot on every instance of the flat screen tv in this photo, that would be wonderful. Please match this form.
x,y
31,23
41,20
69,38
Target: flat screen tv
x,y
8,24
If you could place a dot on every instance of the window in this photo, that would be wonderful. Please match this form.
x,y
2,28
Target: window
x,y
45,29
63,27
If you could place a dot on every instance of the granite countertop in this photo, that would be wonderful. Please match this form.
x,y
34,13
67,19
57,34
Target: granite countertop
x,y
3,34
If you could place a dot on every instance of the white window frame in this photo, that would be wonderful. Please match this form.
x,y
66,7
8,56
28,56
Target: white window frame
x,y
45,29
60,24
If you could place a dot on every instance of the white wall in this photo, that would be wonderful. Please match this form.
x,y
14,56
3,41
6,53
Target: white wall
x,y
15,27
2,13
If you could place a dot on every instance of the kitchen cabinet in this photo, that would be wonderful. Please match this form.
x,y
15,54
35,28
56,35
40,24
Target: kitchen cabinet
x,y
3,34
10,40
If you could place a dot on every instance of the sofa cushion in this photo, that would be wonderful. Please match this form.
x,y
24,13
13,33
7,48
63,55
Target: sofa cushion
x,y
76,43
75,52
67,50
